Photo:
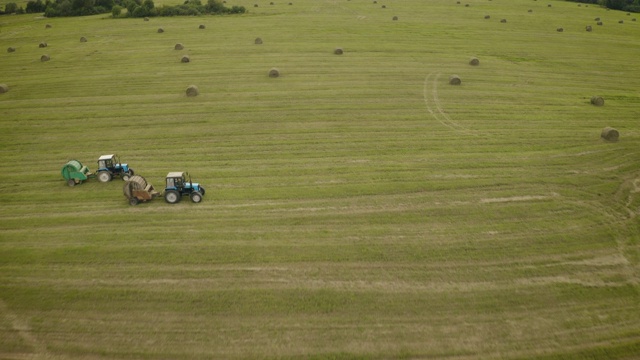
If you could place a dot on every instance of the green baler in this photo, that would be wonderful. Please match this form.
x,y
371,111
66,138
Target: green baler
x,y
75,173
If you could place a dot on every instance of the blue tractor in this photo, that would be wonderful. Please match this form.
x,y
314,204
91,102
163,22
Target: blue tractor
x,y
178,186
110,166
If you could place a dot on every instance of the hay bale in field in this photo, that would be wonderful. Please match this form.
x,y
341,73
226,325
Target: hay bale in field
x,y
596,19
44,58
610,134
290,3
394,18
160,30
258,41
454,80
3,88
47,26
597,100
255,5
599,23
274,73
634,19
503,20
338,51
202,26
146,19
466,5
487,16
560,29
588,28
272,3
549,5
384,6
621,22
83,39
375,2
474,61
192,90
185,59
178,46
43,45
11,49
530,10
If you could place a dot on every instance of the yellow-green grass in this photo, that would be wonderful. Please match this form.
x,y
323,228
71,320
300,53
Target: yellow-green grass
x,y
357,206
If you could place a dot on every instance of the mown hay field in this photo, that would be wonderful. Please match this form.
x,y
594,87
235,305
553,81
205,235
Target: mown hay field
x,y
357,205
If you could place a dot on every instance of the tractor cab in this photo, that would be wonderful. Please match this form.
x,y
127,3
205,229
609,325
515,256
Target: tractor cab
x,y
179,184
110,166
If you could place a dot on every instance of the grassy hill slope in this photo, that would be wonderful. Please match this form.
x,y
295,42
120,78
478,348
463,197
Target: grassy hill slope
x,y
357,206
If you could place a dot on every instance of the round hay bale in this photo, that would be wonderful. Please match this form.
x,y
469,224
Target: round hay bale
x,y
610,134
192,90
394,18
384,6
503,20
549,5
375,2
178,46
290,3
474,61
11,49
559,29
634,19
599,23
588,28
255,5
338,51
258,41
596,19
160,30
3,88
454,80
47,26
458,2
272,3
43,45
597,100
621,22
185,59
530,10
487,16
274,73
202,26
466,5
146,19
83,39
44,58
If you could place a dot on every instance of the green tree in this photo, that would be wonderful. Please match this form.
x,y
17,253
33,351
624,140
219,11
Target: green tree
x,y
10,8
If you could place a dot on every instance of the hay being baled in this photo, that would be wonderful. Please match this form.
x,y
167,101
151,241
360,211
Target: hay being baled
x,y
11,49
192,90
258,41
83,39
42,45
338,51
3,88
178,46
44,58
474,61
274,73
185,59
597,100
454,80
610,134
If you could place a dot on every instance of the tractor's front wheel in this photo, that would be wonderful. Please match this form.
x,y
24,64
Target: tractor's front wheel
x,y
71,182
172,197
130,172
126,176
104,176
134,201
196,197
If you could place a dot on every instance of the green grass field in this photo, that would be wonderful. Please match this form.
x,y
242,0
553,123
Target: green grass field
x,y
357,207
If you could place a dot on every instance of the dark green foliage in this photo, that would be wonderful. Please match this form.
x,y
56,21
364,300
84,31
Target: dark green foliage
x,y
624,5
188,8
36,6
10,8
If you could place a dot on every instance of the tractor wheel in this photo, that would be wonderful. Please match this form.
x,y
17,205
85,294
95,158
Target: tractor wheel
x,y
172,196
130,172
71,182
196,197
134,201
125,176
104,176
202,190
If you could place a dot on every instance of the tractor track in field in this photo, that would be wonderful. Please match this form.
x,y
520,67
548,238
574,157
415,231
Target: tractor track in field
x,y
434,107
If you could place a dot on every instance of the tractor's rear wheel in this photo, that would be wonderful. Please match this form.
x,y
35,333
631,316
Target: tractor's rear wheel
x,y
171,196
71,182
104,176
134,201
196,197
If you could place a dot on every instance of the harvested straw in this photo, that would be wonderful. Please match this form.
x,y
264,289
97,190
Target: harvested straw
x,y
338,51
274,73
11,49
44,58
487,16
559,29
503,20
178,46
599,23
192,90
146,19
185,59
610,134
394,18
43,45
83,39
258,41
474,61
202,26
3,88
588,28
160,30
597,100
48,26
454,80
